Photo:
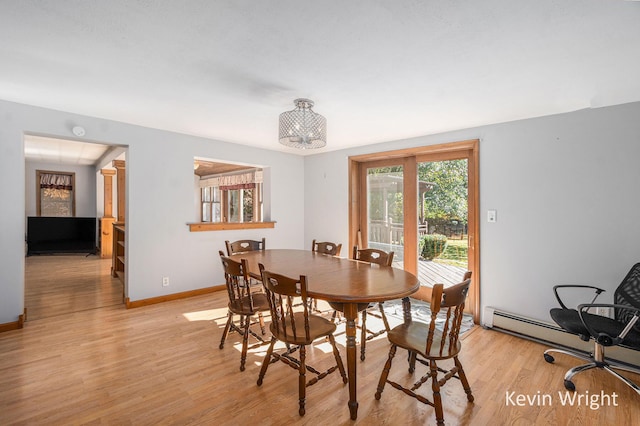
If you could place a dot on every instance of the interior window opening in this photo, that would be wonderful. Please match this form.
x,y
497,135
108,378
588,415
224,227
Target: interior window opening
x,y
229,192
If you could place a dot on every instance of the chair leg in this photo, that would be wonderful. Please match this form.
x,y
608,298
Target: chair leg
x,y
385,372
245,342
226,329
384,317
463,379
411,357
549,358
302,380
594,363
437,398
363,337
617,366
267,361
629,383
336,355
575,370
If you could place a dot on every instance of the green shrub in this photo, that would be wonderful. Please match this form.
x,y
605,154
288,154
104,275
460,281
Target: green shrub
x,y
432,245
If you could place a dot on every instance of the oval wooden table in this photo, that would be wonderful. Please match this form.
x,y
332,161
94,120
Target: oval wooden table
x,y
336,279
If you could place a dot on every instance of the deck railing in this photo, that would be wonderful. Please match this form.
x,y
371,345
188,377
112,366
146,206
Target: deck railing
x,y
384,232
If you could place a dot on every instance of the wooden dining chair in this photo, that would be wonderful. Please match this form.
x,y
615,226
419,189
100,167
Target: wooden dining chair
x,y
371,255
326,247
294,325
412,356
383,259
242,246
242,302
429,344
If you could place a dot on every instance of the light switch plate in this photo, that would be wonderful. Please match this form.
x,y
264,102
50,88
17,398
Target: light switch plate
x,y
492,216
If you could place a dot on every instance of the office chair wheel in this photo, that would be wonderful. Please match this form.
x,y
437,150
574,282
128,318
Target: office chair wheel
x,y
568,384
549,358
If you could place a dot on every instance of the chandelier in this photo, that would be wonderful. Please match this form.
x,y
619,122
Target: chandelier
x,y
302,128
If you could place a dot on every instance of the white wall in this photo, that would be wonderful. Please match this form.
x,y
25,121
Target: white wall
x,y
85,186
566,191
159,202
564,186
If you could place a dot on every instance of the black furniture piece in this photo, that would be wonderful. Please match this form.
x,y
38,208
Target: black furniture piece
x,y
623,329
49,235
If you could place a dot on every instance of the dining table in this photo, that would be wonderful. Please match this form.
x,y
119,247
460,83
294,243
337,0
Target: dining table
x,y
337,279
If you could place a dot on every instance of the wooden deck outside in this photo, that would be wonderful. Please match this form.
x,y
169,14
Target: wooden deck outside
x,y
430,273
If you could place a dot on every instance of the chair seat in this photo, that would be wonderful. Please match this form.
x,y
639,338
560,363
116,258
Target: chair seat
x,y
318,327
242,307
569,319
339,306
413,336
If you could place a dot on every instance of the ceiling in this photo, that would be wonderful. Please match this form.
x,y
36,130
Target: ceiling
x,y
208,168
378,70
60,151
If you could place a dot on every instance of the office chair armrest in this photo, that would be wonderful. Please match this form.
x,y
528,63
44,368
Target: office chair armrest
x,y
602,337
555,291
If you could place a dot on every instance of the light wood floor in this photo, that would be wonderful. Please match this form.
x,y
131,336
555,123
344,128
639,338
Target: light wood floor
x,y
62,284
160,364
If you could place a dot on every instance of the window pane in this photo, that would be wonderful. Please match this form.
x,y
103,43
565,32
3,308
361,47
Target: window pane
x,y
56,202
215,211
206,194
247,205
206,212
386,210
234,205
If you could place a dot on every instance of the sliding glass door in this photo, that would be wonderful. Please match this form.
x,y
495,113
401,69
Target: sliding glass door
x,y
421,204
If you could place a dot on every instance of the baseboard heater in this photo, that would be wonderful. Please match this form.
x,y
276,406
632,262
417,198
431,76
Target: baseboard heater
x,y
550,334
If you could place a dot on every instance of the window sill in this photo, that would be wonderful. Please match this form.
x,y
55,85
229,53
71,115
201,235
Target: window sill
x,y
225,226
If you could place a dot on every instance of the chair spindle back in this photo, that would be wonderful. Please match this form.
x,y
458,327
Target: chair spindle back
x,y
449,301
282,293
236,275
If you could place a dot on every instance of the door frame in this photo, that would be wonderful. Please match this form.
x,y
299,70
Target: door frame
x,y
409,158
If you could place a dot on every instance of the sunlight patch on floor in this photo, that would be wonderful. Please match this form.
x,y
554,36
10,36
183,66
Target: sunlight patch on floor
x,y
208,315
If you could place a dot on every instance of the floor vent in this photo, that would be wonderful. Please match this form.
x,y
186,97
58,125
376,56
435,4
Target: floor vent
x,y
550,334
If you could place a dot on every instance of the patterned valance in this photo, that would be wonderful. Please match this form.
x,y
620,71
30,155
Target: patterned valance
x,y
55,181
244,180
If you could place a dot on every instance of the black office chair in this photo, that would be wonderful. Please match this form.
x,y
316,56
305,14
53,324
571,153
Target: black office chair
x,y
623,329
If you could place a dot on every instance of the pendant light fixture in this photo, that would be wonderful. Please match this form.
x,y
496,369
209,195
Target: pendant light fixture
x,y
302,127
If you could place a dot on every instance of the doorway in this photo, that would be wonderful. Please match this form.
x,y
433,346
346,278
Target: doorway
x,y
422,204
61,281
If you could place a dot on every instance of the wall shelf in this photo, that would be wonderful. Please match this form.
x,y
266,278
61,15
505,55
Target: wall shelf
x,y
118,260
225,226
